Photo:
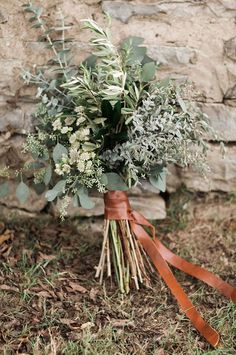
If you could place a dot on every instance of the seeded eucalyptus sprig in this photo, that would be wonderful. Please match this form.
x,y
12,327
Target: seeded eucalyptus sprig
x,y
58,69
58,46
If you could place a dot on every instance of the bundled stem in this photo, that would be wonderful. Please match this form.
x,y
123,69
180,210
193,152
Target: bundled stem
x,y
123,254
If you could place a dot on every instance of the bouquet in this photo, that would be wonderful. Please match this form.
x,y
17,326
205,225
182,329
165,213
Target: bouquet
x,y
107,125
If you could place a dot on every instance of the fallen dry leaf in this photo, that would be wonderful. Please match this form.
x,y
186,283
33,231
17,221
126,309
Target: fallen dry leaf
x,y
93,294
9,288
160,352
2,227
45,257
44,294
122,323
4,238
87,325
77,287
69,323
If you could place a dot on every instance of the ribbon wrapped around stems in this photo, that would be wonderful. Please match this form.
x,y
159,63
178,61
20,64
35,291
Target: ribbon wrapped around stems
x,y
117,207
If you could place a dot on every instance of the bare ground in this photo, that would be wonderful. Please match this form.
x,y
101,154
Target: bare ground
x,y
51,303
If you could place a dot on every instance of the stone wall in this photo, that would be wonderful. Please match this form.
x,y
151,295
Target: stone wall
x,y
194,39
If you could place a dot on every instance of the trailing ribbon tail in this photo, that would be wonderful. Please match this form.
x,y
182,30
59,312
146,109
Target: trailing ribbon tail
x,y
117,207
162,267
196,271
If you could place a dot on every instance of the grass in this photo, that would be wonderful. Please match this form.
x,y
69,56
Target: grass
x,y
51,303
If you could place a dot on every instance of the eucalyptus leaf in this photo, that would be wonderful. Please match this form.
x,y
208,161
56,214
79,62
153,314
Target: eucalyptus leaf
x,y
115,182
147,59
104,179
4,189
57,190
48,175
60,186
75,201
22,192
58,152
35,165
51,195
158,180
39,188
133,41
84,199
44,156
137,55
148,72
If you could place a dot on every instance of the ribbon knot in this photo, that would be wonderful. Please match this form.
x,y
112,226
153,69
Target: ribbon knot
x,y
117,207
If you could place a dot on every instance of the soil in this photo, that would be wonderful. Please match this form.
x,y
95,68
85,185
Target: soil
x,y
52,304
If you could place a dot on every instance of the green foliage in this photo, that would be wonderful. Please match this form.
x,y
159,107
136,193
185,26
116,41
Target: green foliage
x,y
47,175
22,192
164,130
57,190
148,71
58,151
158,178
84,199
115,182
4,189
106,123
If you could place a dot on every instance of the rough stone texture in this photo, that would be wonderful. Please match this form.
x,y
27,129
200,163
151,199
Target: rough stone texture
x,y
35,203
190,39
11,151
151,207
171,55
230,48
222,119
12,213
123,10
222,176
18,118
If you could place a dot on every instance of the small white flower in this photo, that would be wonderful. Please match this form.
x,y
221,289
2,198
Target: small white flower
x,y
65,130
83,134
66,168
64,158
85,156
58,170
89,164
73,138
80,120
79,109
75,145
81,166
74,155
57,124
41,136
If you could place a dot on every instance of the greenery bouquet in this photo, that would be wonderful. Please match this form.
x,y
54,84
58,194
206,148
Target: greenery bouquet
x,y
107,125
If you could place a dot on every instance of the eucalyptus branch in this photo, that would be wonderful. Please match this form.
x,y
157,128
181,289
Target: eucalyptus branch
x,y
63,37
40,24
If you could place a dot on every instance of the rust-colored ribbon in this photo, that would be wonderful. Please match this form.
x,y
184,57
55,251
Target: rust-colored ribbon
x,y
117,207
